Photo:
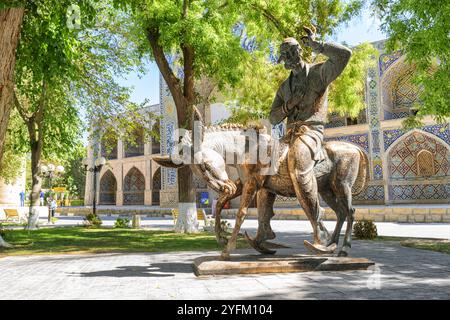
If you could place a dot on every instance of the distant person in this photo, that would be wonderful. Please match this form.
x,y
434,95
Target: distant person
x,y
41,198
51,207
22,198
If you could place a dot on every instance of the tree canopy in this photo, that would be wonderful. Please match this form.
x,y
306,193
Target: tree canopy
x,y
420,29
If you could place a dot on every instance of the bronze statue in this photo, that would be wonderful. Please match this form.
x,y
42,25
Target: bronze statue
x,y
302,99
304,165
342,173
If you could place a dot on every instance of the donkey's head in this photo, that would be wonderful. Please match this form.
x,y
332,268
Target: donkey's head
x,y
205,162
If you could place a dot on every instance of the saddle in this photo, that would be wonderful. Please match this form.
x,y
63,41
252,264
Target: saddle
x,y
312,129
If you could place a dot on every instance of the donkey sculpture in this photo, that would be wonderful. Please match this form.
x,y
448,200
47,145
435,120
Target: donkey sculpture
x,y
342,174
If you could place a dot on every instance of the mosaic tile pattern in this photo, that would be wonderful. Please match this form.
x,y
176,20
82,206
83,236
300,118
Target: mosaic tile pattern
x,y
371,193
168,123
404,92
361,140
390,136
386,60
395,115
403,157
440,130
373,116
420,192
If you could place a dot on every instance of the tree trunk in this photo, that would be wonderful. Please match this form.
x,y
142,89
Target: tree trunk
x,y
36,152
10,24
187,219
183,97
4,244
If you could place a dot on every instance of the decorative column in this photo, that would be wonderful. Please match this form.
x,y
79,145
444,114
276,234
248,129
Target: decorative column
x,y
119,180
148,183
93,151
119,149
168,125
375,191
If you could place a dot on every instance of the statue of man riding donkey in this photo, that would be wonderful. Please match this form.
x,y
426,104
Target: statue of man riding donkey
x,y
301,163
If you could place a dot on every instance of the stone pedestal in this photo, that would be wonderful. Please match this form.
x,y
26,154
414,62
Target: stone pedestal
x,y
254,264
136,223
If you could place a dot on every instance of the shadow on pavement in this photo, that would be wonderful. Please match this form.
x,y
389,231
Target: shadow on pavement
x,y
154,270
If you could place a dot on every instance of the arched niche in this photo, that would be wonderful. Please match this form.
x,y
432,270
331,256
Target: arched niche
x,y
133,187
398,92
108,188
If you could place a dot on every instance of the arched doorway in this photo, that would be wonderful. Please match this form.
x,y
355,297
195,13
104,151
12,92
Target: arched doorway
x,y
398,91
156,187
133,187
108,188
418,169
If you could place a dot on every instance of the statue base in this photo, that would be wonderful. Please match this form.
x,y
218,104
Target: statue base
x,y
254,264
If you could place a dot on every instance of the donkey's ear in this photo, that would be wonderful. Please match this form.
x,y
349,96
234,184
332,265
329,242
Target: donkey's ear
x,y
166,161
197,114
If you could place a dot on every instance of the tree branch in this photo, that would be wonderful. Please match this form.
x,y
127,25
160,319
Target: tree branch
x,y
22,112
188,62
274,20
172,81
42,103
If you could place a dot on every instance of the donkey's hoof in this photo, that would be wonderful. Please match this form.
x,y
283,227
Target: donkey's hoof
x,y
257,245
319,249
342,254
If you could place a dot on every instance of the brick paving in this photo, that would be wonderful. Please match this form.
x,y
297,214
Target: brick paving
x,y
400,273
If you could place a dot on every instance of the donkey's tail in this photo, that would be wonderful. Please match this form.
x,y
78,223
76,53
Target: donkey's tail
x,y
363,174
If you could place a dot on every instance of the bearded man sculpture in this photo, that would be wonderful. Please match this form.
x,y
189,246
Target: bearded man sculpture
x,y
302,99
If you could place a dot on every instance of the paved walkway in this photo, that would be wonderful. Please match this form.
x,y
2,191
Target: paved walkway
x,y
413,230
400,273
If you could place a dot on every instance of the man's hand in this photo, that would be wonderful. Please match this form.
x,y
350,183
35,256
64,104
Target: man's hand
x,y
308,40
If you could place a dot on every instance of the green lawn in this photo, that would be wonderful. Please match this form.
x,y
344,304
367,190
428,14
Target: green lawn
x,y
425,244
84,240
433,245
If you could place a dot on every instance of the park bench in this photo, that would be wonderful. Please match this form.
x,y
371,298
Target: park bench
x,y
201,216
12,214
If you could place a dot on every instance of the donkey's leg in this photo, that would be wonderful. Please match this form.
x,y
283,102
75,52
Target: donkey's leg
x,y
336,205
248,192
265,201
350,211
224,198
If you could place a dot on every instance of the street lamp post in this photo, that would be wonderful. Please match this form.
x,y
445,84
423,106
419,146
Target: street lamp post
x,y
98,164
49,171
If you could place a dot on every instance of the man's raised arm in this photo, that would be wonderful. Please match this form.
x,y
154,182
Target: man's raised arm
x,y
338,57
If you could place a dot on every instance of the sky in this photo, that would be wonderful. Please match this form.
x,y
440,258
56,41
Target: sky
x,y
360,29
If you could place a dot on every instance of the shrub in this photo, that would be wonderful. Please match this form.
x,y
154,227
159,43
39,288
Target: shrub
x,y
365,229
76,202
122,223
92,220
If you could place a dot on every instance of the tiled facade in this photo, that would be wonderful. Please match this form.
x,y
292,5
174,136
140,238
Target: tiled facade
x,y
405,167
